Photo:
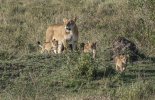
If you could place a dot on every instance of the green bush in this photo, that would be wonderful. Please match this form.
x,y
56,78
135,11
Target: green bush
x,y
86,67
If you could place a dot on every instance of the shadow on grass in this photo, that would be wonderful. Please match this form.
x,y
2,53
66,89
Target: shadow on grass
x,y
108,72
146,71
138,74
151,59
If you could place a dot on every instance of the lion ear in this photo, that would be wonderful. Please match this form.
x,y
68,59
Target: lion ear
x,y
75,18
53,40
65,20
95,43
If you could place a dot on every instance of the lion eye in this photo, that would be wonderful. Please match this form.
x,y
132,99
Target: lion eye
x,y
68,24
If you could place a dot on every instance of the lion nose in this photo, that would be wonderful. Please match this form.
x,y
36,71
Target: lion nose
x,y
68,28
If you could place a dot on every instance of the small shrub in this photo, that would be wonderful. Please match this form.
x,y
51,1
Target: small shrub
x,y
85,67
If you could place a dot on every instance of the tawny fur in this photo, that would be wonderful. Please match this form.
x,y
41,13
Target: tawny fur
x,y
49,47
66,33
121,62
89,48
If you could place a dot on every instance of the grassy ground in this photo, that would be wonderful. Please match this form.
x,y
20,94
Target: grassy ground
x,y
27,75
73,76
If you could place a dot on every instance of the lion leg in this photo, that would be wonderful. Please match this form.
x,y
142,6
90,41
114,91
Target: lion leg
x,y
74,45
122,69
59,49
55,51
65,44
70,46
94,54
117,68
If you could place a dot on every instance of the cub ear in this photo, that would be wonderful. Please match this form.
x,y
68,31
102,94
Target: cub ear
x,y
53,40
75,18
65,20
95,43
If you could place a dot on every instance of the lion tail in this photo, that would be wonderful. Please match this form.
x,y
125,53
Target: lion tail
x,y
40,44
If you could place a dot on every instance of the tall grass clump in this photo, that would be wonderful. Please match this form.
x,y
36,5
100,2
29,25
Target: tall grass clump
x,y
136,91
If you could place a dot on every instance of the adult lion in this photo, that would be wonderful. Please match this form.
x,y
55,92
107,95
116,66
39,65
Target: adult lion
x,y
66,33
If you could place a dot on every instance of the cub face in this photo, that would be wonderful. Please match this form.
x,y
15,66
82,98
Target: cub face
x,y
89,48
49,47
54,44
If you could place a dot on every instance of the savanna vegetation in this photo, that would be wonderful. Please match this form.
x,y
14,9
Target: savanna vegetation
x,y
25,74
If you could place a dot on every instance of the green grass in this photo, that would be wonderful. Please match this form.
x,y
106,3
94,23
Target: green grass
x,y
67,76
27,75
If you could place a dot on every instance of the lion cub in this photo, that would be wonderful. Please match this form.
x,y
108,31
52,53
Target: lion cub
x,y
89,48
121,62
49,47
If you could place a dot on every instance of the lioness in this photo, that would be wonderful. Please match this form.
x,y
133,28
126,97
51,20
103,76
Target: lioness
x,y
121,62
66,33
89,48
49,47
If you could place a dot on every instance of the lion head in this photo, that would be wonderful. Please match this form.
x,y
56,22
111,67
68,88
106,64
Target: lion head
x,y
69,24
